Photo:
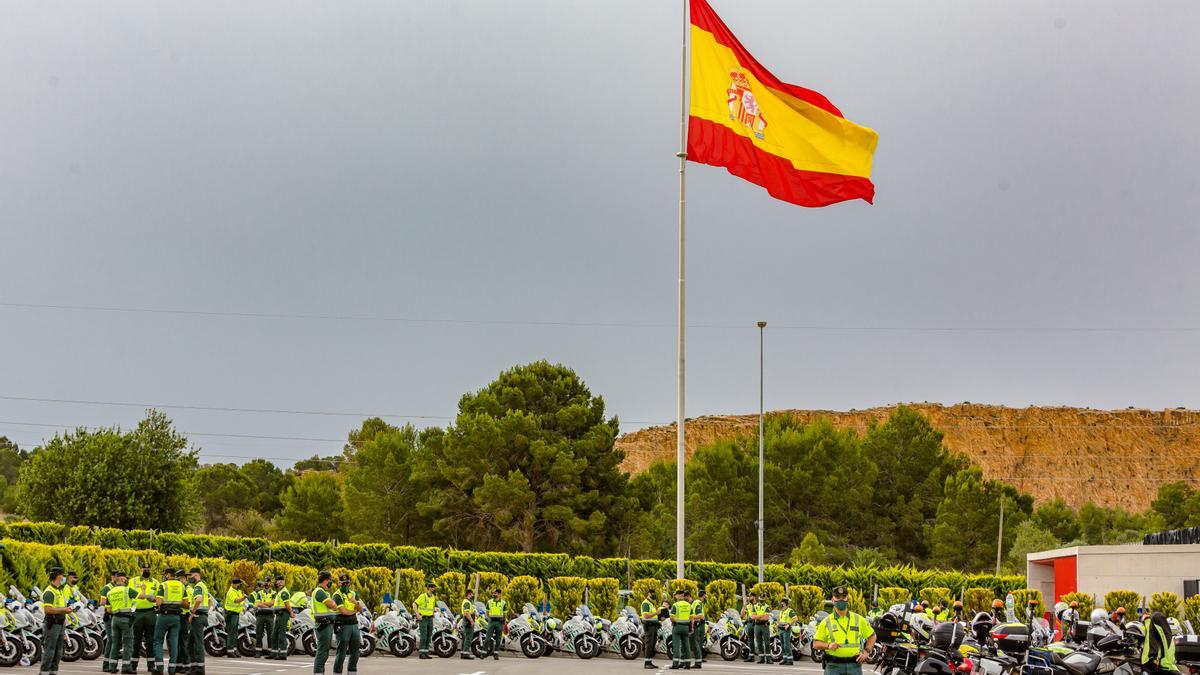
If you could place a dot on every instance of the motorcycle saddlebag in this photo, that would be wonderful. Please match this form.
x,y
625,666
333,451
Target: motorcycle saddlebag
x,y
1187,648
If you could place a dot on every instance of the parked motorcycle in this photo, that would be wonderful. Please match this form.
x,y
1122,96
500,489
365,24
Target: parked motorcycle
x,y
520,635
396,629
623,636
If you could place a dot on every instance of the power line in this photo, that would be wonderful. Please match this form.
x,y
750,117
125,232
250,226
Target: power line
x,y
598,324
170,406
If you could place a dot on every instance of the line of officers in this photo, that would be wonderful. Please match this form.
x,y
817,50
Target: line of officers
x,y
144,613
845,637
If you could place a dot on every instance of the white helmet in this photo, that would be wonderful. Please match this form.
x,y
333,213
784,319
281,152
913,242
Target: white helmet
x,y
1099,615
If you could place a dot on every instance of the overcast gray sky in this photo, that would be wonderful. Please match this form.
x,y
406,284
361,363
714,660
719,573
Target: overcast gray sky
x,y
514,161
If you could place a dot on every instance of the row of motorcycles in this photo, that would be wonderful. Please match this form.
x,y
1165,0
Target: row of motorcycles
x,y
584,635
914,644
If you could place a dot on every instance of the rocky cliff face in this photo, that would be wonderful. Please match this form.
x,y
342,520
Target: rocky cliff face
x,y
1110,457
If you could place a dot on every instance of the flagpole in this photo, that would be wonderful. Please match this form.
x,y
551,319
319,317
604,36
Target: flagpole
x,y
679,430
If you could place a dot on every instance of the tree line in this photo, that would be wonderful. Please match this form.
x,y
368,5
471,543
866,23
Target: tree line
x,y
529,464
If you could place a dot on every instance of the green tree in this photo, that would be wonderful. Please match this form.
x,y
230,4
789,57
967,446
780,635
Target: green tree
x,y
652,531
529,464
1177,503
1030,537
1059,519
964,533
11,459
379,488
909,452
722,502
816,478
317,463
269,482
135,480
867,556
809,552
222,489
312,508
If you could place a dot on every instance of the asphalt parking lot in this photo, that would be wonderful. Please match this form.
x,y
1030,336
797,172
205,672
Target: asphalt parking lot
x,y
378,664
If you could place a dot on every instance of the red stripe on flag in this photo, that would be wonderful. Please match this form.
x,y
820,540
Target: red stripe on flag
x,y
717,145
705,18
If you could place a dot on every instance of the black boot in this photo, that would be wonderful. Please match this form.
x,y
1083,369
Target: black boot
x,y
649,665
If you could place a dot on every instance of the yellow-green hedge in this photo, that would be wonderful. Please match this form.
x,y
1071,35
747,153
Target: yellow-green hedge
x,y
722,595
523,590
565,594
977,600
603,596
1130,600
1168,603
806,600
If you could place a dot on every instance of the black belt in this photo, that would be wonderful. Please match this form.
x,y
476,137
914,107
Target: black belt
x,y
841,659
168,607
143,609
127,612
202,612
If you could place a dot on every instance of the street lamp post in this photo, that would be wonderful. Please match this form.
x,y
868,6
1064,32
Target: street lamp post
x,y
761,326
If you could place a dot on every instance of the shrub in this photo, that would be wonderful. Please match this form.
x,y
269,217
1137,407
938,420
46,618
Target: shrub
x,y
1168,603
1021,598
80,535
806,600
87,562
25,564
247,571
683,585
411,584
452,587
1191,610
295,577
977,600
722,595
371,583
1130,600
1086,604
894,595
933,594
523,590
642,586
490,580
770,591
603,595
565,594
40,533
858,602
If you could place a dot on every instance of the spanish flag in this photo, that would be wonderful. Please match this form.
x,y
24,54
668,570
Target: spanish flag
x,y
788,139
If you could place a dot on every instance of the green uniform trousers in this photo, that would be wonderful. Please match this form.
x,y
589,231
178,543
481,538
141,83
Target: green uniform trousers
x,y
681,642
324,633
494,641
279,638
52,647
699,633
349,644
650,637
264,623
167,626
762,640
843,668
425,633
185,644
233,620
785,636
143,637
199,623
468,635
118,647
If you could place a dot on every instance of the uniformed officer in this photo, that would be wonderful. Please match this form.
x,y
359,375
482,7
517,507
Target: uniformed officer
x,y
112,580
71,588
283,614
650,628
324,612
468,623
264,619
497,610
143,617
425,605
762,630
748,619
786,618
119,599
349,635
185,624
845,637
699,628
199,620
681,631
170,605
56,608
235,599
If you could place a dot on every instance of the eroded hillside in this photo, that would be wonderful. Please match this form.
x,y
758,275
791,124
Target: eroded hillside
x,y
1111,457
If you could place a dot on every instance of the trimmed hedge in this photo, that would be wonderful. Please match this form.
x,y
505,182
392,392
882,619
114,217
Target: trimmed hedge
x,y
565,594
770,591
603,596
1191,610
522,591
434,561
1166,602
722,594
806,600
932,595
1086,603
977,600
1130,600
1021,598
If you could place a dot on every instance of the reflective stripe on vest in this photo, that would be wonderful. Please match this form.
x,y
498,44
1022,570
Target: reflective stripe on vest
x,y
426,603
648,611
349,600
698,609
468,607
171,591
281,596
148,587
59,596
319,606
201,589
787,616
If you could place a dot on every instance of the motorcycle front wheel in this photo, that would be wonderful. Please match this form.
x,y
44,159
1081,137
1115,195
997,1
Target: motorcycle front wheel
x,y
400,645
443,645
816,655
586,647
214,645
532,646
366,646
730,649
309,643
776,649
72,648
477,645
92,647
630,647
11,651
33,648
245,645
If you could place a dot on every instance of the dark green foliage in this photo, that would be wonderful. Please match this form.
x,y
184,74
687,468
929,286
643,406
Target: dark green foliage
x,y
379,488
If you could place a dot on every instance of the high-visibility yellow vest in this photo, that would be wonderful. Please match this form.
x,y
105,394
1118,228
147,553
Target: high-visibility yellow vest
x,y
282,596
787,616
850,632
468,607
426,603
233,600
349,600
649,613
200,589
698,609
496,608
320,595
171,591
149,587
58,596
681,611
118,599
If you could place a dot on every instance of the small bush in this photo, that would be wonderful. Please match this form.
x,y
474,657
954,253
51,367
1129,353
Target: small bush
x,y
565,594
722,595
603,595
893,595
523,590
977,600
1168,603
1130,600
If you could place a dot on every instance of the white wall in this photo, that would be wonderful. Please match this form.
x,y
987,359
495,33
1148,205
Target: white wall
x,y
1144,569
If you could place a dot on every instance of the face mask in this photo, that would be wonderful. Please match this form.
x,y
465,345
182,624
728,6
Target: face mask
x,y
145,574
345,587
841,605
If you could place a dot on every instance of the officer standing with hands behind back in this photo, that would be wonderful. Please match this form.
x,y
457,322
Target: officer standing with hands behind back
x,y
845,637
